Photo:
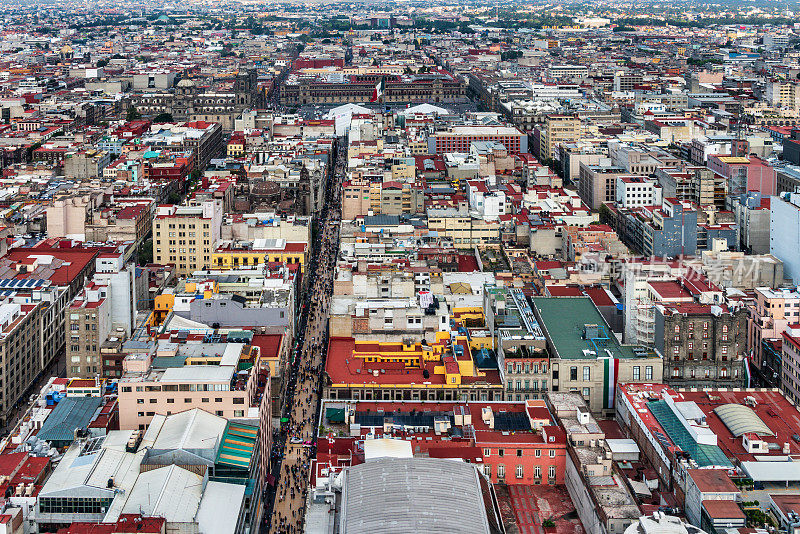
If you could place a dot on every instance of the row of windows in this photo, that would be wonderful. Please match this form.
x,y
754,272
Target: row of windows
x,y
519,471
236,400
707,373
77,348
534,368
236,413
74,505
526,385
587,373
182,225
180,387
487,452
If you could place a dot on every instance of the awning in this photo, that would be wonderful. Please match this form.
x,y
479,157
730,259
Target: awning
x,y
772,471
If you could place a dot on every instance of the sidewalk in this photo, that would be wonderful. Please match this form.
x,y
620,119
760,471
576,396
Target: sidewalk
x,y
289,507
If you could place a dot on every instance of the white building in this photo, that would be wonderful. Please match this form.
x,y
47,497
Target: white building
x,y
660,523
784,233
635,191
568,71
774,40
488,204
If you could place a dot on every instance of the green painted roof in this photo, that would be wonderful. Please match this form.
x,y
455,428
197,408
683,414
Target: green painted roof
x,y
167,362
335,415
704,455
237,445
69,414
563,320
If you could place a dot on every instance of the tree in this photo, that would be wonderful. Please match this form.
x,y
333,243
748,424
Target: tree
x,y
163,117
146,252
132,114
606,217
102,63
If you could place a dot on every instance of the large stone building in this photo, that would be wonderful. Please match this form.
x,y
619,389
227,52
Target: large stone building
x,y
190,102
358,89
702,345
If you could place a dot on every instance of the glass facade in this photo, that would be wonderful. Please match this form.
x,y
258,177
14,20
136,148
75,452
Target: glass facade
x,y
74,505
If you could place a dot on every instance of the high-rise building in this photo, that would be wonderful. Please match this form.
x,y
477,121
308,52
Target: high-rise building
x,y
186,236
558,129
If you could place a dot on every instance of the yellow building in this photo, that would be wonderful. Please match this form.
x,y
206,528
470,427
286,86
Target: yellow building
x,y
236,147
231,256
443,370
404,170
559,129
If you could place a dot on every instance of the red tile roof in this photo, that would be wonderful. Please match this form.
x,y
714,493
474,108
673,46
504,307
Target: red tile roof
x,y
718,509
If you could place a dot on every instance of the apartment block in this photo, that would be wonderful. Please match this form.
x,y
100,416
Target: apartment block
x,y
180,376
783,94
186,236
772,312
790,372
88,326
21,347
464,230
784,233
558,129
597,184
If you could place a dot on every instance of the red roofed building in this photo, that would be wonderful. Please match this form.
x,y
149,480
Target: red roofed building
x,y
60,266
126,524
514,442
389,370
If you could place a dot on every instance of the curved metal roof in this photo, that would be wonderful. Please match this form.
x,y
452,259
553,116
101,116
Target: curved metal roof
x,y
742,420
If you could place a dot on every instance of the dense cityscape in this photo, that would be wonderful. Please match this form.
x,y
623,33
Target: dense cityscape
x,y
399,267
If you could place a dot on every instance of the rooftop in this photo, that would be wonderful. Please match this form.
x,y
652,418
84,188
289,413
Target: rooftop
x,y
415,495
565,321
69,414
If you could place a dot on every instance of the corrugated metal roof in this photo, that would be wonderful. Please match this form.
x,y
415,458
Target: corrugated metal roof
x,y
773,471
413,495
237,445
190,430
71,413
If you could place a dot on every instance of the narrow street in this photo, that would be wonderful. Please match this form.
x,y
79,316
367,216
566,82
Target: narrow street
x,y
296,443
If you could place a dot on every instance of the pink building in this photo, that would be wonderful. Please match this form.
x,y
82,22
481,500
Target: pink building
x,y
187,376
770,314
759,175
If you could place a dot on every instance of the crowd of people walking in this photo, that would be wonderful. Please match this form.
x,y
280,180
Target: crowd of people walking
x,y
295,443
